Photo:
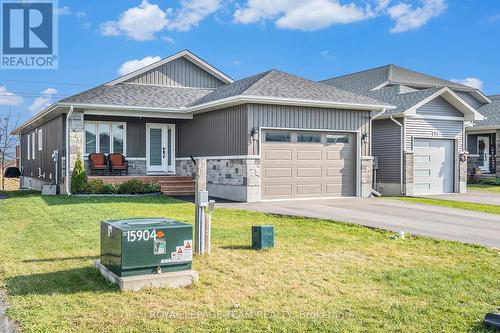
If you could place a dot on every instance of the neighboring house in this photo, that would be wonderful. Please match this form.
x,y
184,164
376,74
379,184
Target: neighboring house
x,y
483,141
420,146
269,136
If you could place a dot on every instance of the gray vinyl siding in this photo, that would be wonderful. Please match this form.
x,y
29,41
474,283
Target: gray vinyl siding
x,y
52,139
471,100
433,128
386,145
472,143
216,133
178,73
135,131
260,115
439,107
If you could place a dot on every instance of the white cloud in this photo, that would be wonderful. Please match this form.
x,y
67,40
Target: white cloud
x,y
139,23
43,101
168,40
310,15
407,17
191,13
142,23
327,54
9,98
471,82
81,14
133,65
302,15
62,11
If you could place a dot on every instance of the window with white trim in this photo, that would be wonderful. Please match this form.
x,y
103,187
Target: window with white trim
x,y
105,137
40,141
28,143
33,145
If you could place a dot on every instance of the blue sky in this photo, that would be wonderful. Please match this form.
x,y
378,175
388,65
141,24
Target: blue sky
x,y
316,39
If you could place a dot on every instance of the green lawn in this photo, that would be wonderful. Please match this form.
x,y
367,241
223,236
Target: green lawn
x,y
483,187
485,208
322,276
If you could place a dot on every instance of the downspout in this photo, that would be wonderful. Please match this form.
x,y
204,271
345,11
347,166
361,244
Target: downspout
x,y
401,154
68,192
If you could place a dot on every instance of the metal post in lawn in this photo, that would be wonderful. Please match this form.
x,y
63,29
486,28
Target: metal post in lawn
x,y
200,185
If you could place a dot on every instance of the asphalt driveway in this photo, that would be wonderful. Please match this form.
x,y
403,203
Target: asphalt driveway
x,y
482,197
418,219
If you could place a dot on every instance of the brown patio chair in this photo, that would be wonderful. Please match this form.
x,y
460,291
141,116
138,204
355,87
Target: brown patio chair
x,y
97,163
118,163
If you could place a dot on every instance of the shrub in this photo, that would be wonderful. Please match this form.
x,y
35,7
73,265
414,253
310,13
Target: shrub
x,y
108,189
132,186
95,186
494,181
78,177
153,187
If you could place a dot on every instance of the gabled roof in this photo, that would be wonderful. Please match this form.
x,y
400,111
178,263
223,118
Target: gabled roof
x,y
376,78
138,95
491,112
281,85
183,54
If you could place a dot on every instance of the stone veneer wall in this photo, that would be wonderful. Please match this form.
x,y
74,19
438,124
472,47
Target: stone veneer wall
x,y
232,179
462,173
408,172
472,163
366,176
76,137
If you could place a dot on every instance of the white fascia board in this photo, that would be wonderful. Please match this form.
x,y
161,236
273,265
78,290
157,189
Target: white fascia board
x,y
451,97
482,128
380,86
186,54
33,119
236,100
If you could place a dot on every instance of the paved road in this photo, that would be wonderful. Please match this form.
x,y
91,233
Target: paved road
x,y
438,222
474,196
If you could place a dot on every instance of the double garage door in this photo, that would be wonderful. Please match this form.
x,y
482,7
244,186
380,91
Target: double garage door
x,y
297,164
434,165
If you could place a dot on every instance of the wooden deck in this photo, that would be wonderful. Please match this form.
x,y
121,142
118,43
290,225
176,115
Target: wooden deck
x,y
170,185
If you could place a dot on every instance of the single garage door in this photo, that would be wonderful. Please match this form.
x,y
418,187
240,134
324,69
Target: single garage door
x,y
434,166
298,164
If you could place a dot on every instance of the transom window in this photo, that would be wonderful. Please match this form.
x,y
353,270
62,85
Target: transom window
x,y
337,138
308,138
277,137
104,137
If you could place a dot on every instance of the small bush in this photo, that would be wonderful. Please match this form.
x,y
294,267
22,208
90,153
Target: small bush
x,y
95,186
109,189
78,177
494,181
133,186
153,187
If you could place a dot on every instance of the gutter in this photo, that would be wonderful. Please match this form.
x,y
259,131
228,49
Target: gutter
x,y
401,154
68,191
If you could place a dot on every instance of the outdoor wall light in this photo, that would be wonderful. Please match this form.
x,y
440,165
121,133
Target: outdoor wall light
x,y
254,133
365,137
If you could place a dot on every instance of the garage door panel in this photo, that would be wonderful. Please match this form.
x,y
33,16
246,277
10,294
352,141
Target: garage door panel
x,y
308,188
278,154
309,172
302,170
313,155
275,172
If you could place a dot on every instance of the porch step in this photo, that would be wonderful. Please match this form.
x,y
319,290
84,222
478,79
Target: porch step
x,y
177,185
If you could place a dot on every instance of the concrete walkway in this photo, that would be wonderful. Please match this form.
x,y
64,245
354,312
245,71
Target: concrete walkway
x,y
5,325
433,221
482,197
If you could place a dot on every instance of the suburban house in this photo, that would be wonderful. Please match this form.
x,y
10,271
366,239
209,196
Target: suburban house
x,y
483,141
420,146
269,136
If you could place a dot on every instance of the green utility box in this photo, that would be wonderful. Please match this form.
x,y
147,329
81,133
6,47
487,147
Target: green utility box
x,y
262,237
146,246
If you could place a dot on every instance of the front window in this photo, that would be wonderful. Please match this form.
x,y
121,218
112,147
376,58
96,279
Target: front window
x,y
104,137
308,138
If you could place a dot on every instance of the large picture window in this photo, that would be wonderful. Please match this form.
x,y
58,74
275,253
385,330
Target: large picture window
x,y
104,137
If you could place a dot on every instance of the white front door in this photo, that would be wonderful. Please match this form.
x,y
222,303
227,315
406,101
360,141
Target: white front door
x,y
483,150
160,148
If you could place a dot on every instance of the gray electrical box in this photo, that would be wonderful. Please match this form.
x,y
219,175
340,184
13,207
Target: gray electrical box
x,y
202,198
375,162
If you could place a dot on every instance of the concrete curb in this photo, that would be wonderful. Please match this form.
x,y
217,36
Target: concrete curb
x,y
6,326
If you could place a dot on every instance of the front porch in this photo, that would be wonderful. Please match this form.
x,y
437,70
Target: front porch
x,y
483,160
170,185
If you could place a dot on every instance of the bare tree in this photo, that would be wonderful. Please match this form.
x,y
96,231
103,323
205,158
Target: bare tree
x,y
8,141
